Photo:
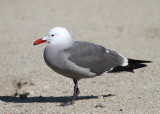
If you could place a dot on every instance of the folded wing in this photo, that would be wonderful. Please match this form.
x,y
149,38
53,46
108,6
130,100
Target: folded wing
x,y
97,58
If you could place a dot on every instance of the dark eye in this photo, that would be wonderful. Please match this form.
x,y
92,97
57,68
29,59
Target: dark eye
x,y
52,35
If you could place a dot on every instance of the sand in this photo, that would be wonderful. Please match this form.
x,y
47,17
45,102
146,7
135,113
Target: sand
x,y
130,27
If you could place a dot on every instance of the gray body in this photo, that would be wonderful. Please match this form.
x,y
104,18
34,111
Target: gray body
x,y
81,60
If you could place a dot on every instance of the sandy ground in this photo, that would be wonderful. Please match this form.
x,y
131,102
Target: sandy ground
x,y
130,27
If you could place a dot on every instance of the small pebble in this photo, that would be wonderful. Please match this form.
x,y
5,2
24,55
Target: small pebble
x,y
100,97
100,105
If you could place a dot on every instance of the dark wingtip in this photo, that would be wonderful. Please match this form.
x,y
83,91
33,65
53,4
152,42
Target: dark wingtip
x,y
138,61
150,61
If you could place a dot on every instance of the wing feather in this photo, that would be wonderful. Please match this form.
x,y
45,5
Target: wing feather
x,y
94,57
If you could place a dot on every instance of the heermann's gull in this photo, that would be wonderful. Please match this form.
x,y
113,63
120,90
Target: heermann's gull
x,y
79,59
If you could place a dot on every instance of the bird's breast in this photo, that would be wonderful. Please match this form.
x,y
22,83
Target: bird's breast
x,y
58,61
53,58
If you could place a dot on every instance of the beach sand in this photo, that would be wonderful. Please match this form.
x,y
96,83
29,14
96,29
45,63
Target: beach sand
x,y
130,27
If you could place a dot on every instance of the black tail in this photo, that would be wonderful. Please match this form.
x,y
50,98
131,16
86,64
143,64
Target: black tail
x,y
132,64
138,61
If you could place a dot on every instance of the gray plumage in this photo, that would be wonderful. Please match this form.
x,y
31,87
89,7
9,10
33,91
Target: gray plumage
x,y
95,57
82,60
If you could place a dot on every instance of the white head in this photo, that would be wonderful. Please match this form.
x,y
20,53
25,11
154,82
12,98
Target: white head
x,y
56,36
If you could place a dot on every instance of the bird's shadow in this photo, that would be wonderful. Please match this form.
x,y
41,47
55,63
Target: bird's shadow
x,y
41,99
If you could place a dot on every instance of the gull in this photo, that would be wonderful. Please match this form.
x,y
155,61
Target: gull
x,y
82,60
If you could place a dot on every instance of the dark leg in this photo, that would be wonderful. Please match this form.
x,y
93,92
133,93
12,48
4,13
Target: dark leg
x,y
76,90
75,94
